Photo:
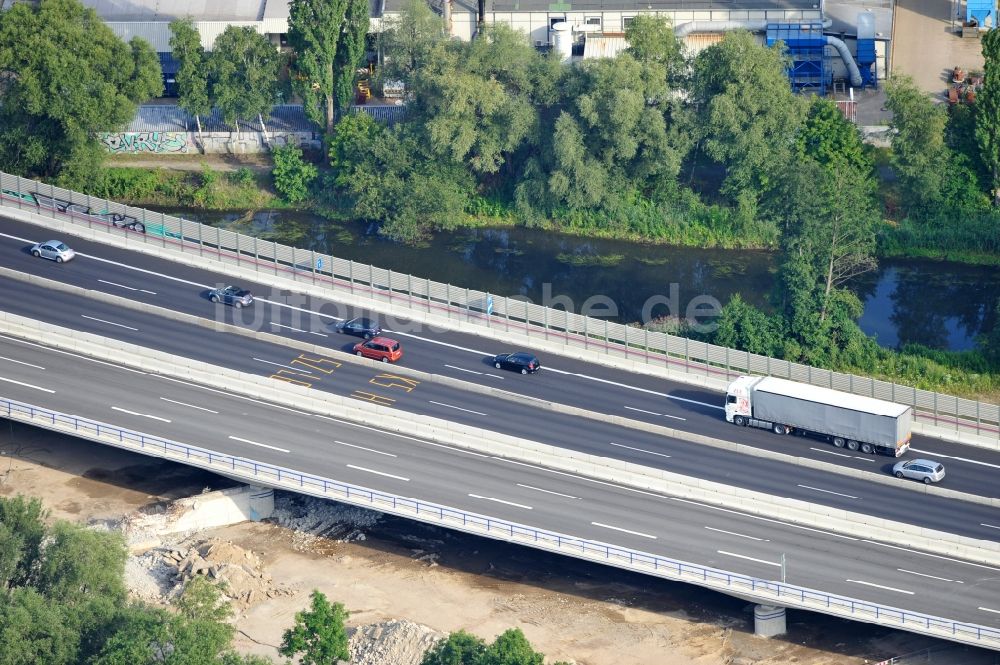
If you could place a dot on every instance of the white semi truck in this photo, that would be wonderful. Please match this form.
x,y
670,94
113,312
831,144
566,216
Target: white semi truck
x,y
848,421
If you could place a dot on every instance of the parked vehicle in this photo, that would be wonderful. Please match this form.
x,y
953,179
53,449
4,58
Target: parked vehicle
x,y
379,348
522,362
360,327
919,469
848,421
231,295
54,250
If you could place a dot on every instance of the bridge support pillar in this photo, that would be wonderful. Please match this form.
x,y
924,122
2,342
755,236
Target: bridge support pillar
x,y
769,620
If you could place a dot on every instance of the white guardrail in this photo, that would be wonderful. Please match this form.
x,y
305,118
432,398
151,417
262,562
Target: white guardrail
x,y
760,590
613,341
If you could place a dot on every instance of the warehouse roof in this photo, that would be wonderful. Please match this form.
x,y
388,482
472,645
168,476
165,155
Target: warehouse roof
x,y
199,10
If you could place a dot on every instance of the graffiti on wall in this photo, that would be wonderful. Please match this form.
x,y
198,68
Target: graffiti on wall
x,y
152,142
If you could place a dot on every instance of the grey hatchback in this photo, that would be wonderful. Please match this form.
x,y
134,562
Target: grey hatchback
x,y
919,469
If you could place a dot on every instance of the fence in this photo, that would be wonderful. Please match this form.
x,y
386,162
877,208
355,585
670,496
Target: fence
x,y
510,314
766,591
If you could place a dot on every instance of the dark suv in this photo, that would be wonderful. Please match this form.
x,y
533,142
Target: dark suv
x,y
231,295
524,363
360,327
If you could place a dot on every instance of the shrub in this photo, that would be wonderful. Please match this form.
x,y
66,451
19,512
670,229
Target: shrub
x,y
292,175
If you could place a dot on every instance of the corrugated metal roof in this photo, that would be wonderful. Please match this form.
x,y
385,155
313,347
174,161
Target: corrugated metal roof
x,y
170,118
603,46
157,33
168,10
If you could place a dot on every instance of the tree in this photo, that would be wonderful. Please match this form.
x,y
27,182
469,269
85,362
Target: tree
x,y
511,648
919,154
244,75
459,648
35,630
351,51
192,81
743,326
319,636
292,175
22,529
829,138
52,105
407,40
988,111
747,112
314,33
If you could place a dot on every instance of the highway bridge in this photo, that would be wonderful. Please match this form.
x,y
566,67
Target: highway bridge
x,y
157,303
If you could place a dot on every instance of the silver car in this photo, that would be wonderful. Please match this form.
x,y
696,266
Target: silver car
x,y
55,250
919,469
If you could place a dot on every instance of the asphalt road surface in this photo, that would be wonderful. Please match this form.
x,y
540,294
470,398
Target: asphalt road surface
x,y
518,492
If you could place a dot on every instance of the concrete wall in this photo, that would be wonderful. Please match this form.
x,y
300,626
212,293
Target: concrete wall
x,y
213,143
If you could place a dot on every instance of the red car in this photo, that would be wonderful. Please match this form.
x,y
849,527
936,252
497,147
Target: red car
x,y
379,348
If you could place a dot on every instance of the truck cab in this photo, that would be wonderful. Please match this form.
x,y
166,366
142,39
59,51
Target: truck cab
x,y
738,398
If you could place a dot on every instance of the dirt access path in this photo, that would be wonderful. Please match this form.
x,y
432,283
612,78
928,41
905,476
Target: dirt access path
x,y
389,568
256,163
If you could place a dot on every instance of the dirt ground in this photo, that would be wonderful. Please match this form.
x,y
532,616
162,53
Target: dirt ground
x,y
396,569
193,162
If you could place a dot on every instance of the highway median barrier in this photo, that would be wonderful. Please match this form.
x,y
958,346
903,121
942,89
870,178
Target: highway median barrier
x,y
502,446
661,430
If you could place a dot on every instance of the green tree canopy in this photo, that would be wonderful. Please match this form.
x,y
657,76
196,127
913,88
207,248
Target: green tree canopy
x,y
319,636
244,74
747,112
65,77
988,111
328,39
830,139
408,39
192,70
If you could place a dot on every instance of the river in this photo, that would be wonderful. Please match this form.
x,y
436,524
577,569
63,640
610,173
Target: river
x,y
941,305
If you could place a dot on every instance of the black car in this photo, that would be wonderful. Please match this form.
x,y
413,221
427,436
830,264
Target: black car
x,y
360,327
231,295
525,363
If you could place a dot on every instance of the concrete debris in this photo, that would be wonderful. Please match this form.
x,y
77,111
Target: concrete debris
x,y
396,642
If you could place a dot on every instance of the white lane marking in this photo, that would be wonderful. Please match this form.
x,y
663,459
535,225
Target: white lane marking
x,y
933,577
136,413
733,533
190,406
763,519
749,558
641,450
830,452
20,362
321,416
539,489
377,473
26,385
960,459
992,526
297,369
313,332
403,334
879,586
573,475
816,489
509,503
618,528
282,325
653,413
450,406
986,609
462,369
67,353
262,445
933,556
120,286
130,288
495,376
110,323
371,450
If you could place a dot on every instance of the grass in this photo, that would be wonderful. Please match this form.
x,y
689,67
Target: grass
x,y
208,189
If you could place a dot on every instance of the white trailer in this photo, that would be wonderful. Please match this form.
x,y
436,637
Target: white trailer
x,y
848,421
